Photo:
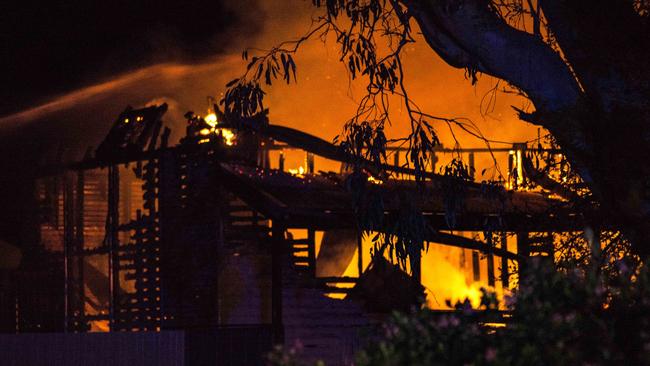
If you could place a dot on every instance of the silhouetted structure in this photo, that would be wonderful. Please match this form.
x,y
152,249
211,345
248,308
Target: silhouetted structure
x,y
144,237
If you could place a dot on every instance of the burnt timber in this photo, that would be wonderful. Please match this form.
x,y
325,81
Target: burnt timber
x,y
188,231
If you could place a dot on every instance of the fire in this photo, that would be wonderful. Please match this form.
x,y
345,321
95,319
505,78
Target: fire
x,y
300,172
516,174
228,136
101,326
212,122
444,281
442,278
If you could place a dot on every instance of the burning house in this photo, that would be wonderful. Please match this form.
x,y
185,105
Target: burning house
x,y
210,251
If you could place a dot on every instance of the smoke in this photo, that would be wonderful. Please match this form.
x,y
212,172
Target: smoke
x,y
319,103
179,84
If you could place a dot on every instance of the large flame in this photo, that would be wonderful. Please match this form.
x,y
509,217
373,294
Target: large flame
x,y
445,281
444,275
319,104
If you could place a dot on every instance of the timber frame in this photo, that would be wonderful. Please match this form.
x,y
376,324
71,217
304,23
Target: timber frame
x,y
189,190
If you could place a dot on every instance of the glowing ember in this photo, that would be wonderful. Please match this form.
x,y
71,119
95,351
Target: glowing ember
x,y
208,127
211,120
516,173
300,172
228,136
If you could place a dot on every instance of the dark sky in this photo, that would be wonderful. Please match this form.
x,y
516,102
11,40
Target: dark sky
x,y
49,47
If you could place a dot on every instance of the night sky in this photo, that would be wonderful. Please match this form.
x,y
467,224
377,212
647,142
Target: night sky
x,y
56,46
50,48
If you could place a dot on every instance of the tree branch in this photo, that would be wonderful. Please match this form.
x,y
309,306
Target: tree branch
x,y
547,183
474,36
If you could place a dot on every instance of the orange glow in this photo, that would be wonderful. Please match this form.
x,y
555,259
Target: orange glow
x,y
100,326
437,87
211,120
515,177
443,275
300,172
326,99
445,281
228,136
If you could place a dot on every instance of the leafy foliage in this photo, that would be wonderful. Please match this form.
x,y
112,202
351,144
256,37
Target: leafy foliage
x,y
557,318
643,7
288,356
593,310
243,99
456,173
371,36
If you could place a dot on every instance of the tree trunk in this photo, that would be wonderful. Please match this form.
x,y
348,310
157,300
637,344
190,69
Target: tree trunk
x,y
598,108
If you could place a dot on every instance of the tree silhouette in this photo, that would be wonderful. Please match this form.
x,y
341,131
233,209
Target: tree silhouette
x,y
582,64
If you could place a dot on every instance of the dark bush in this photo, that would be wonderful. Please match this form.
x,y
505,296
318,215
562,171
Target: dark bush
x,y
554,318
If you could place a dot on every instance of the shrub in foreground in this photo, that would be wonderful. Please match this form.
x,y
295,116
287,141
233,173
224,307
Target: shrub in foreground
x,y
572,317
554,318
